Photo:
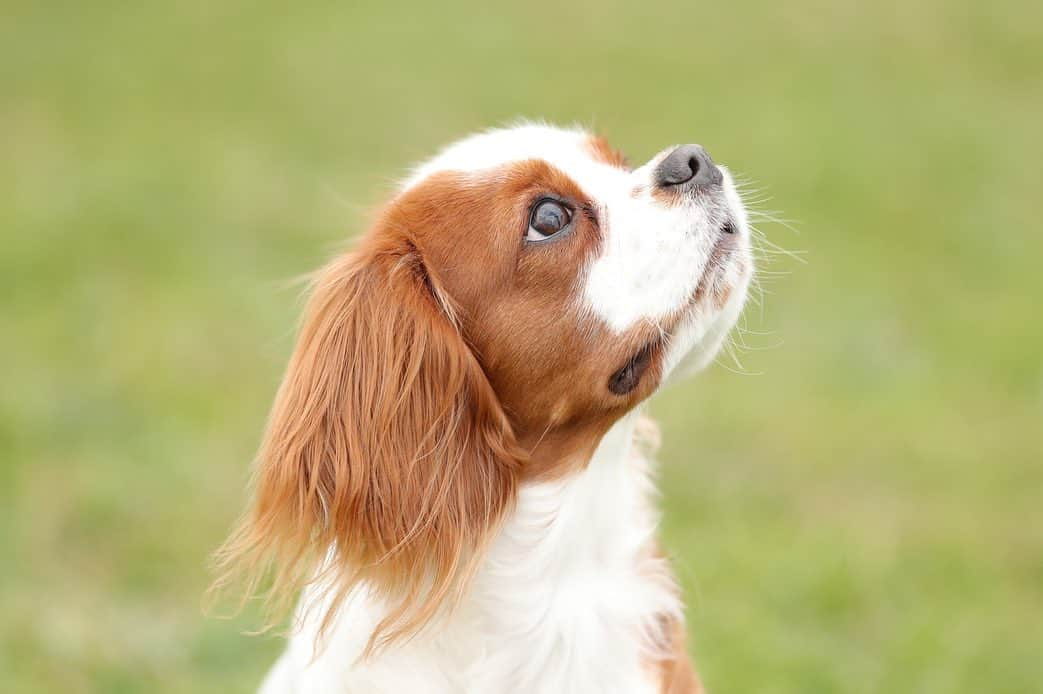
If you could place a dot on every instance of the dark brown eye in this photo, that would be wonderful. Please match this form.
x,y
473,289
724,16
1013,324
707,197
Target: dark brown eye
x,y
547,219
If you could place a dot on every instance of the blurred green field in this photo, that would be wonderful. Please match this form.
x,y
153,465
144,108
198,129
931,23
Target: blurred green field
x,y
859,510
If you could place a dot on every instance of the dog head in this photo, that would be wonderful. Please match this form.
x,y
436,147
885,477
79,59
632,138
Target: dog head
x,y
521,292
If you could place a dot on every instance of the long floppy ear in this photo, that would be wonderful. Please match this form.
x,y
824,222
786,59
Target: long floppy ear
x,y
387,459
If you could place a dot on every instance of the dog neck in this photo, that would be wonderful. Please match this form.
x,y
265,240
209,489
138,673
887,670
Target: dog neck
x,y
571,596
576,569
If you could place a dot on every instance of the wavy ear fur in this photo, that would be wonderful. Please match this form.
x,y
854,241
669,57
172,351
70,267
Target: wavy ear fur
x,y
387,459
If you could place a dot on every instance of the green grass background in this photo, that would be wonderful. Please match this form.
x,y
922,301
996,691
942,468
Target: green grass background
x,y
863,515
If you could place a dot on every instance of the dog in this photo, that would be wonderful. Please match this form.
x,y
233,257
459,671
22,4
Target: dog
x,y
455,476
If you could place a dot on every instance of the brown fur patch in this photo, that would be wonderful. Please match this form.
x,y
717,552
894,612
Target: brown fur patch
x,y
520,306
670,665
721,296
669,196
676,673
602,151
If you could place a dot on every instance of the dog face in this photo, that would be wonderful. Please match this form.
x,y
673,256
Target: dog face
x,y
520,293
578,282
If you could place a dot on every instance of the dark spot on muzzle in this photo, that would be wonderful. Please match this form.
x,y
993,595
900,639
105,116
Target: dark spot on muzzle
x,y
628,377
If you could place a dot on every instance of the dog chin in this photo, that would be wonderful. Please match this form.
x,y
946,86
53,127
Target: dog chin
x,y
700,336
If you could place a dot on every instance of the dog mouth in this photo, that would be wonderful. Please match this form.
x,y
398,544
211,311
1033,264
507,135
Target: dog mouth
x,y
625,379
723,246
629,376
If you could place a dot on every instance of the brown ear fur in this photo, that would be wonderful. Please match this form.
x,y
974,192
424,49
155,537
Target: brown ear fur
x,y
387,458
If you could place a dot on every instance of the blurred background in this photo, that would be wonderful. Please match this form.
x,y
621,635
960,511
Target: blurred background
x,y
855,502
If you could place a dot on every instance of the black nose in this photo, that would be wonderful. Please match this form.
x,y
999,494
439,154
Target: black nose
x,y
687,164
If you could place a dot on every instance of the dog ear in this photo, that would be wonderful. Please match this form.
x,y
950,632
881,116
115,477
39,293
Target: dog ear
x,y
387,459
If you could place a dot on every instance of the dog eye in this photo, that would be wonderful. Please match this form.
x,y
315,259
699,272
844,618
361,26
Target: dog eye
x,y
547,219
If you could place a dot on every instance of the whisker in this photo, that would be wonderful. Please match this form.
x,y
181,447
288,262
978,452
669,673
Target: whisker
x,y
738,373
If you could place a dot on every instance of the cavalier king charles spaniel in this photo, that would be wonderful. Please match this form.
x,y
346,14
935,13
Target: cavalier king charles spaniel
x,y
455,476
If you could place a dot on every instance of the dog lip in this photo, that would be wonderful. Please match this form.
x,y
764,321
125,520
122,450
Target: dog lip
x,y
626,379
723,245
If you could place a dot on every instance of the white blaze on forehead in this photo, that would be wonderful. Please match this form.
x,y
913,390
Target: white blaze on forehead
x,y
560,147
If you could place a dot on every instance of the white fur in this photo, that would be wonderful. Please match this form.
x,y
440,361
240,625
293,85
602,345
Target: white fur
x,y
568,596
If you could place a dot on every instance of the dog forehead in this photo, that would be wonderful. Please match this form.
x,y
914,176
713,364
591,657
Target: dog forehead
x,y
567,149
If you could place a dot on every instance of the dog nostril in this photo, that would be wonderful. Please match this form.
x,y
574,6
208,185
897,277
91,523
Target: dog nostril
x,y
687,164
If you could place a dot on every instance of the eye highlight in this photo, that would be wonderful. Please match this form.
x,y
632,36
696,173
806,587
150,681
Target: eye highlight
x,y
548,218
